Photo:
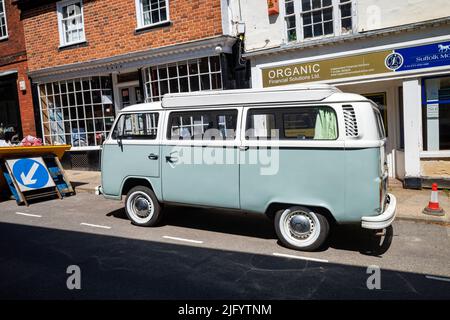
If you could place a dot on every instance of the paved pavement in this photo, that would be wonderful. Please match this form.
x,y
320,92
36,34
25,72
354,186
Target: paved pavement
x,y
205,254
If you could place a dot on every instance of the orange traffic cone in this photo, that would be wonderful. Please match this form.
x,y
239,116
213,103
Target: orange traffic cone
x,y
433,206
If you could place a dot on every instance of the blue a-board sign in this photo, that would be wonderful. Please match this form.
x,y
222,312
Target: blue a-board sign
x,y
420,57
30,173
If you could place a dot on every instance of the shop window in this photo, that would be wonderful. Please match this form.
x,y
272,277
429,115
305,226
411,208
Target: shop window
x,y
70,22
310,19
3,26
10,121
78,112
151,12
436,114
312,123
183,76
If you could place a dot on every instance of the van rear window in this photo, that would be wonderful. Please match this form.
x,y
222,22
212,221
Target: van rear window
x,y
302,123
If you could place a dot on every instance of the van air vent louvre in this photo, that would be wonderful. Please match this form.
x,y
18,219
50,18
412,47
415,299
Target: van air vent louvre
x,y
351,126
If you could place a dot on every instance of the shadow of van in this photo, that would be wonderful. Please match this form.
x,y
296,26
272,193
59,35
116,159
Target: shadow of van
x,y
348,237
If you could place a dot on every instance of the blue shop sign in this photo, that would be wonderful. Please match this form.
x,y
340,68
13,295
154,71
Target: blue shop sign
x,y
421,57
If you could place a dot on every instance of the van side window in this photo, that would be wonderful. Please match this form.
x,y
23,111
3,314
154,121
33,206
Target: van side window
x,y
137,126
203,125
262,125
302,123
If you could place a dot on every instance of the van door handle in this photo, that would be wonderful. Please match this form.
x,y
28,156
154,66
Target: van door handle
x,y
153,156
244,148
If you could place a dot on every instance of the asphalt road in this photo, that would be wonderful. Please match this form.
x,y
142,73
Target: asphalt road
x,y
204,254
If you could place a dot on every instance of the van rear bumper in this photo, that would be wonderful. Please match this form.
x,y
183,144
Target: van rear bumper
x,y
383,220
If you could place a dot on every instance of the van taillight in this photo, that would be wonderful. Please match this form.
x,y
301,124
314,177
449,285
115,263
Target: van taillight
x,y
383,192
381,195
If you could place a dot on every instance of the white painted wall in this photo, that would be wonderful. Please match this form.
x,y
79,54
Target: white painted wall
x,y
263,31
413,127
379,14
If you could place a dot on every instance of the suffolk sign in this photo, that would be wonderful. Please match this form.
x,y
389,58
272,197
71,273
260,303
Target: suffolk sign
x,y
381,62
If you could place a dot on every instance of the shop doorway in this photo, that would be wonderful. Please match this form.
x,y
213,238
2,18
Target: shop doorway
x,y
380,99
130,95
10,123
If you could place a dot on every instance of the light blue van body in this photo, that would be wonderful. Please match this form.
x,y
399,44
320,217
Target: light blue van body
x,y
345,178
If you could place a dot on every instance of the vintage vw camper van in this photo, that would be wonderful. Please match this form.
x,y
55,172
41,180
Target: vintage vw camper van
x,y
307,157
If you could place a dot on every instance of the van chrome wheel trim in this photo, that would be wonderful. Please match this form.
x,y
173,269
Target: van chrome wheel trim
x,y
140,207
300,228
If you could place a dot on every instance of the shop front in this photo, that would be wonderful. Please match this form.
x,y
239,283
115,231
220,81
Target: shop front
x,y
78,104
409,80
10,119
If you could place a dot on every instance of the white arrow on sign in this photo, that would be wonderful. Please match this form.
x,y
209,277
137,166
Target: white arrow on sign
x,y
28,179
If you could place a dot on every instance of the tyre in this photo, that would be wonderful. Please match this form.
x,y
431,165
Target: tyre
x,y
300,228
142,207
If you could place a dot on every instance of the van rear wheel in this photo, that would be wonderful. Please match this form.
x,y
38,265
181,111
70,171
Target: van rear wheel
x,y
300,228
142,207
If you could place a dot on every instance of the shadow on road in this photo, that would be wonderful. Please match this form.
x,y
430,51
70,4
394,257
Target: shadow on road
x,y
350,238
34,261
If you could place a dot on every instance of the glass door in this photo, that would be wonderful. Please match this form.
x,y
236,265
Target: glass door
x,y
130,96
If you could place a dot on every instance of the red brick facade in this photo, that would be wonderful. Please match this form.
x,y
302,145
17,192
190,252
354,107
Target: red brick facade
x,y
110,30
13,57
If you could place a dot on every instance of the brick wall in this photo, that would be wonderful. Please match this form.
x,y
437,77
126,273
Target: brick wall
x,y
15,44
13,57
110,30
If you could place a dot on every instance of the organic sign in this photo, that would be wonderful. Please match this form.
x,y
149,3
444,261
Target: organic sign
x,y
380,62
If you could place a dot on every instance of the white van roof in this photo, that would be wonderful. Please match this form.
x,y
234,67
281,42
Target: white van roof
x,y
303,93
290,94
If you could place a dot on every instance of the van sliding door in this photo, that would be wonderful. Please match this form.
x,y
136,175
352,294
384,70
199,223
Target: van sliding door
x,y
200,163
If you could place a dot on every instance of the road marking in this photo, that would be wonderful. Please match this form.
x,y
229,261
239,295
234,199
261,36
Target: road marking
x,y
182,239
298,257
94,225
29,214
438,278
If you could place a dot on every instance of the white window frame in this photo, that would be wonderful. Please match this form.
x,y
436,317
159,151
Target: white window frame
x,y
140,15
148,80
337,21
6,21
57,132
62,36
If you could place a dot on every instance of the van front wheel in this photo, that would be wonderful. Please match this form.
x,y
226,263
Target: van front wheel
x,y
300,228
142,207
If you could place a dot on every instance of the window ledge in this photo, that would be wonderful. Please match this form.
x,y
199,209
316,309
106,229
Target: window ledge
x,y
435,154
73,45
4,38
143,29
87,148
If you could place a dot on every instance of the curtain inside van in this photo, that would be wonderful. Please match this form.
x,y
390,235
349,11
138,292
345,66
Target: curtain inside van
x,y
326,125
